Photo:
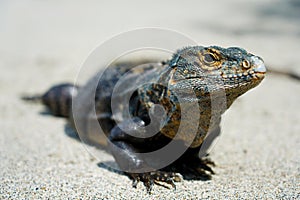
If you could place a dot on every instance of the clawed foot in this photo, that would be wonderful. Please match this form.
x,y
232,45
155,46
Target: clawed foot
x,y
195,168
156,177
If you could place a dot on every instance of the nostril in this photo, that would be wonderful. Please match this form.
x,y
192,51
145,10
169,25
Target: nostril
x,y
246,64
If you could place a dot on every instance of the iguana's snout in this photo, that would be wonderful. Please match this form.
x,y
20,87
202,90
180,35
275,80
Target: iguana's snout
x,y
258,65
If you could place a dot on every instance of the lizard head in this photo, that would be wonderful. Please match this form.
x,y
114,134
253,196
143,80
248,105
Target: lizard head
x,y
211,69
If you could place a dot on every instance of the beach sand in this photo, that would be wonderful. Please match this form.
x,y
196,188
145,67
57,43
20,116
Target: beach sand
x,y
45,43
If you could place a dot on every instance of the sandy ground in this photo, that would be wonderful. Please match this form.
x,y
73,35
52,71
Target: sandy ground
x,y
45,42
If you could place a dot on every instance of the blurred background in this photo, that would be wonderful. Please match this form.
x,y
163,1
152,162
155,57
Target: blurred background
x,y
65,32
45,42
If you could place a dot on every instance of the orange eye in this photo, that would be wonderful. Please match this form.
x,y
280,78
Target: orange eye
x,y
209,58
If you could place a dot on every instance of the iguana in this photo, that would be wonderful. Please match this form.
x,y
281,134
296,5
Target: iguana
x,y
190,92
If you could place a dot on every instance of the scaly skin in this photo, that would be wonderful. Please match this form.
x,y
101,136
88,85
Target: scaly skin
x,y
197,83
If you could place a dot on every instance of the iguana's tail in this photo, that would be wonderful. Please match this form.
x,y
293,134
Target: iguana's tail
x,y
36,98
58,99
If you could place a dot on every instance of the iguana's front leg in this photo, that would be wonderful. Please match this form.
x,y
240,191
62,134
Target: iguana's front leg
x,y
195,163
126,148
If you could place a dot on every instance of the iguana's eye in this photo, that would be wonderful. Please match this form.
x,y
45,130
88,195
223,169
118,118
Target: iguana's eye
x,y
209,58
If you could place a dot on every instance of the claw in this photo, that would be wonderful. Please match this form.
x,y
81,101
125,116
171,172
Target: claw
x,y
208,161
205,167
156,177
135,182
149,185
171,182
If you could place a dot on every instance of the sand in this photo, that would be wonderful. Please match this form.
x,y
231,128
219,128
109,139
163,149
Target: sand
x,y
46,42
